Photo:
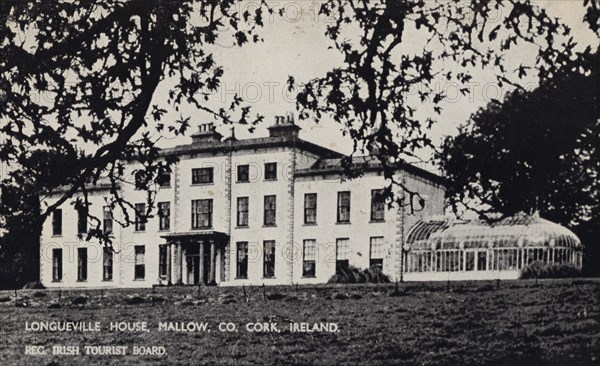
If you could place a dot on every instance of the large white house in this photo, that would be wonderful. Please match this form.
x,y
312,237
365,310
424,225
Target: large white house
x,y
273,210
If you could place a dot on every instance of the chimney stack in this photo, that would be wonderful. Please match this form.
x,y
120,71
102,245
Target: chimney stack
x,y
206,132
284,127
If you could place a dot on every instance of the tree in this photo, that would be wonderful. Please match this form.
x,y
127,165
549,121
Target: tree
x,y
370,94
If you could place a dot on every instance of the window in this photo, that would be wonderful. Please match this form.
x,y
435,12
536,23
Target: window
x,y
243,173
376,252
140,217
141,179
107,268
269,259
57,222
242,259
164,180
107,220
342,251
202,176
82,264
309,258
377,205
164,215
202,211
162,260
242,211
310,208
270,210
270,171
140,267
82,217
56,265
343,207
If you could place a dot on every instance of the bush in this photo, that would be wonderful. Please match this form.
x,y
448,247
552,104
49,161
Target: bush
x,y
542,270
356,275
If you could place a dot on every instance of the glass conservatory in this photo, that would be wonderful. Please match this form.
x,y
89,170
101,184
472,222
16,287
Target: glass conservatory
x,y
441,248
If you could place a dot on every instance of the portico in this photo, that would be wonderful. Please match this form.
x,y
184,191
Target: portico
x,y
195,258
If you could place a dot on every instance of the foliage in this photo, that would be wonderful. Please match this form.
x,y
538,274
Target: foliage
x,y
373,93
356,275
539,269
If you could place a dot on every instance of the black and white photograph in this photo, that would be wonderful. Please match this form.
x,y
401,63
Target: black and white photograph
x,y
300,182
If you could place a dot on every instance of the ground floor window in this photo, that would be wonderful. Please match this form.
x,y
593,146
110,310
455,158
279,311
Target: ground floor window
x,y
107,268
342,252
140,260
269,259
162,261
309,258
242,260
56,265
82,262
376,252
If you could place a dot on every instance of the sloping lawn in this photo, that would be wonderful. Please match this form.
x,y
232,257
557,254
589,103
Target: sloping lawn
x,y
553,322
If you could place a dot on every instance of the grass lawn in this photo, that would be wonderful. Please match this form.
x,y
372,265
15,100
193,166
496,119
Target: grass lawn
x,y
553,322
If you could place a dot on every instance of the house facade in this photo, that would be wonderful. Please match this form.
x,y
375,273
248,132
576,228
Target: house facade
x,y
273,210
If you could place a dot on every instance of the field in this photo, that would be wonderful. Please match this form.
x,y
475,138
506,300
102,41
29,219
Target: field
x,y
553,322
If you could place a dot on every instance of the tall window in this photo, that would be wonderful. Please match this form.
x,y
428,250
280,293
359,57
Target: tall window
x,y
342,252
242,211
376,252
269,259
202,176
270,171
242,259
270,210
310,208
82,219
140,266
57,222
82,260
202,211
343,207
309,255
162,260
56,265
377,205
107,220
140,217
164,215
243,173
107,268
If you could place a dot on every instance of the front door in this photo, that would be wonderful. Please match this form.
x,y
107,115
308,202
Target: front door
x,y
193,269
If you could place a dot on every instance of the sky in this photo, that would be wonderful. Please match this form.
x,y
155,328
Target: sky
x,y
295,45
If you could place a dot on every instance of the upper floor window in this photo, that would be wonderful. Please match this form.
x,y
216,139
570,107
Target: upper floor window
x,y
343,207
164,180
310,208
82,219
202,211
242,211
270,210
376,252
270,171
57,222
377,205
141,179
243,173
107,220
140,217
164,215
202,176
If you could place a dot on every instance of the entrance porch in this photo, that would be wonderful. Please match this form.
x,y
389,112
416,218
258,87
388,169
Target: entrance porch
x,y
195,258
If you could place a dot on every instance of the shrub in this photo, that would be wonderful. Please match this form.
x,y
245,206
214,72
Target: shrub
x,y
356,275
539,269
